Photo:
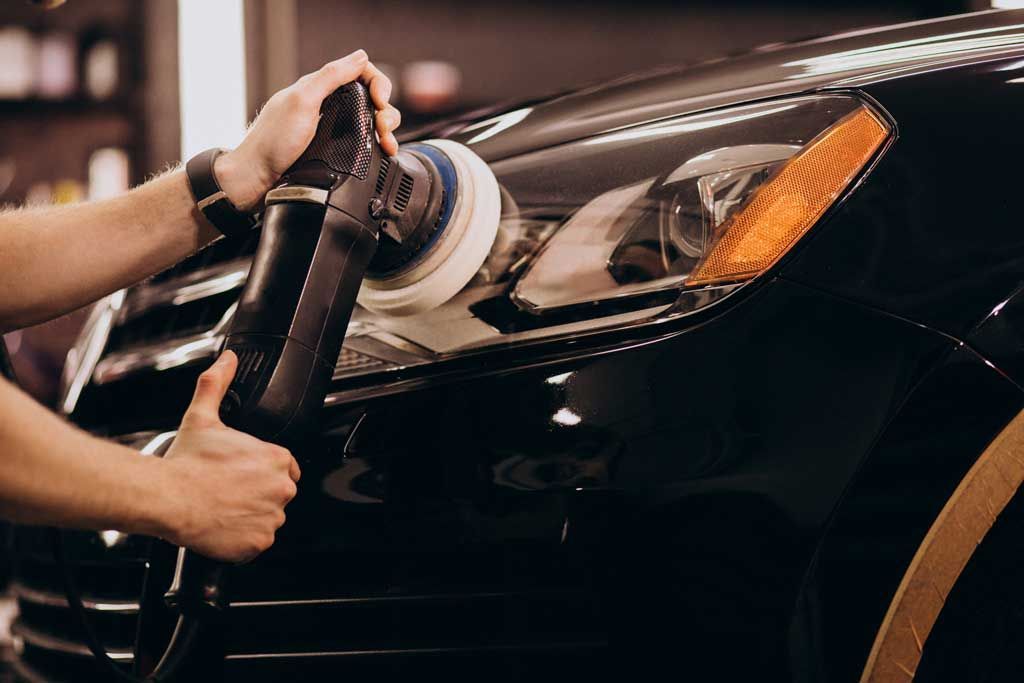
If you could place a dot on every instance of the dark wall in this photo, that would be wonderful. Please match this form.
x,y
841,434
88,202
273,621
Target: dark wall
x,y
509,49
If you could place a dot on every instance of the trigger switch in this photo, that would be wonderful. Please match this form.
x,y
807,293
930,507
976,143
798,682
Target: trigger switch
x,y
230,404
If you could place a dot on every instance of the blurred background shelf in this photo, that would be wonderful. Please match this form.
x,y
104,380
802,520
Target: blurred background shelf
x,y
75,82
79,106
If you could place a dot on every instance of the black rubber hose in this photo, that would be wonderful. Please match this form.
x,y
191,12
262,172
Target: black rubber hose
x,y
180,646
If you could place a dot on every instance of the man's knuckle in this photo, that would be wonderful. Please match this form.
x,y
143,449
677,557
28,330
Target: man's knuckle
x,y
281,98
297,95
207,379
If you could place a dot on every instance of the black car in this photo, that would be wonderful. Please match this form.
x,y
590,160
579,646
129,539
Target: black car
x,y
734,398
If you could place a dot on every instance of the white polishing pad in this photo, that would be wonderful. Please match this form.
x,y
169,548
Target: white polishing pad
x,y
459,251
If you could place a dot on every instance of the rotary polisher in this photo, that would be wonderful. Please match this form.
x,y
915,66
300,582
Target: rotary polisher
x,y
399,234
345,223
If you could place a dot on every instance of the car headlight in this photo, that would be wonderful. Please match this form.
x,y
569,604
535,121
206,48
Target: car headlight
x,y
637,225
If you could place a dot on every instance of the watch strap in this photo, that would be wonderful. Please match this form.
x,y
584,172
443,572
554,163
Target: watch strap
x,y
211,200
6,368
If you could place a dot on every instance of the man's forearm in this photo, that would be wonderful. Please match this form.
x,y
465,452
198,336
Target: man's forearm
x,y
54,474
54,260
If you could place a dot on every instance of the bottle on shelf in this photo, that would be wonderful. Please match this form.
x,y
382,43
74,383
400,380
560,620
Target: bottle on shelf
x,y
101,68
39,193
57,67
109,173
18,55
68,191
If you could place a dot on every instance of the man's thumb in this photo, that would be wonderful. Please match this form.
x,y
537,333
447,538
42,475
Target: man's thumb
x,y
212,385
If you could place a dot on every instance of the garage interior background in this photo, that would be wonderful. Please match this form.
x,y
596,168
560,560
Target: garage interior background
x,y
91,94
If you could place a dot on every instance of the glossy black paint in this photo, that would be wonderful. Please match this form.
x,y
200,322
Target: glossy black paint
x,y
682,513
735,494
933,234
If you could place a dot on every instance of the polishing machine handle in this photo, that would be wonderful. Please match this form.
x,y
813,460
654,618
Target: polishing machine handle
x,y
317,241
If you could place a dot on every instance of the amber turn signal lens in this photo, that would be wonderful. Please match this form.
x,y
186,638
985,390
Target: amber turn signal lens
x,y
788,204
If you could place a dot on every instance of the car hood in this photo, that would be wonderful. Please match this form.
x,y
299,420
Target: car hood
x,y
846,60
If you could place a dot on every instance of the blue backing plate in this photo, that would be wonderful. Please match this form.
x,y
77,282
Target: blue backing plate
x,y
450,182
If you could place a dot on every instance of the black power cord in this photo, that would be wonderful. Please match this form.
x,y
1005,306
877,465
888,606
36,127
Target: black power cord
x,y
180,646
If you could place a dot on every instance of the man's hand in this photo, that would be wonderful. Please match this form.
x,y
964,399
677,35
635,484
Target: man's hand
x,y
287,123
228,489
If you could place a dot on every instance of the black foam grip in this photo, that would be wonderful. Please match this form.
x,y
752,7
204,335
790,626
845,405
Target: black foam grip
x,y
344,136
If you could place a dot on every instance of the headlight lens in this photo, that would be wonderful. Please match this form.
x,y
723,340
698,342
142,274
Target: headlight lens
x,y
648,236
786,205
638,225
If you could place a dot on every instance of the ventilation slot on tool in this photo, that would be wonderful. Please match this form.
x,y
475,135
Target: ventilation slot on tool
x,y
385,164
404,193
249,361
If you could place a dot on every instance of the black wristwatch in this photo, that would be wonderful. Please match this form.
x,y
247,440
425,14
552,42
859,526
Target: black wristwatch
x,y
210,198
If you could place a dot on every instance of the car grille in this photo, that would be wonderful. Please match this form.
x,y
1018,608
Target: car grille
x,y
49,644
226,249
